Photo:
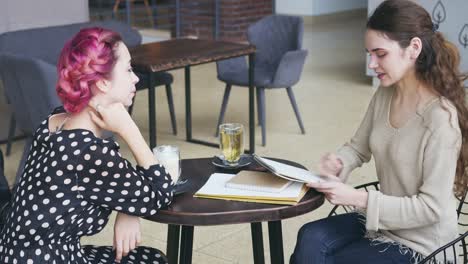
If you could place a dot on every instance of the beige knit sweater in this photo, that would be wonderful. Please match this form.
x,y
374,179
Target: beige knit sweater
x,y
415,165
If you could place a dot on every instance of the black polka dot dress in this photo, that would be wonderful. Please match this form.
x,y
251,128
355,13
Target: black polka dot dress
x,y
71,182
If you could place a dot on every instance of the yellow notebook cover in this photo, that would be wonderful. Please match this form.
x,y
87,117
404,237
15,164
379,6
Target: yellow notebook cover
x,y
215,188
285,201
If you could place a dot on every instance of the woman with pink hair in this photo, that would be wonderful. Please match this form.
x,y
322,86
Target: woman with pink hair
x,y
73,178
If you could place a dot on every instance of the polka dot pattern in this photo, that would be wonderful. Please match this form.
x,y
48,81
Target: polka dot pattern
x,y
139,255
71,182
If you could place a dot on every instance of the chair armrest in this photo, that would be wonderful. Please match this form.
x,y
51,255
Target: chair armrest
x,y
237,64
38,87
374,185
4,188
449,249
2,163
32,82
289,68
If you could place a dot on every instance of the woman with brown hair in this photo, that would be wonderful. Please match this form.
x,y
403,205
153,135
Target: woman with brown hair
x,y
416,128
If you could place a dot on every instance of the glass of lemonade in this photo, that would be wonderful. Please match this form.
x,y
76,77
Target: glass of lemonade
x,y
169,157
231,142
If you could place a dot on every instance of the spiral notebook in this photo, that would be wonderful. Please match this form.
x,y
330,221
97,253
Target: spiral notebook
x,y
258,181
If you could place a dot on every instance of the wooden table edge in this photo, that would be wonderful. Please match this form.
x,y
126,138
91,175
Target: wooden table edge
x,y
205,219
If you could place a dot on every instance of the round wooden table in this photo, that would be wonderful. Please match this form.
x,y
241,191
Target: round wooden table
x,y
187,211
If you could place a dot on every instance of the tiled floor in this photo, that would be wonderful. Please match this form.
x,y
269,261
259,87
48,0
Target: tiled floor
x,y
332,96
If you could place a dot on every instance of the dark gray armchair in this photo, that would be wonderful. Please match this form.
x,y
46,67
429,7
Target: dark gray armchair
x,y
29,83
278,63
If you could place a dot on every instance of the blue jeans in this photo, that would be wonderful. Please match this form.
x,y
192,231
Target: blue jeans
x,y
340,239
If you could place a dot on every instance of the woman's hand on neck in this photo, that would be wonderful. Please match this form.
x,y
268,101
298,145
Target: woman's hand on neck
x,y
112,117
83,120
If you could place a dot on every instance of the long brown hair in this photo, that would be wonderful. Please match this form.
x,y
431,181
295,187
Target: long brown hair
x,y
437,65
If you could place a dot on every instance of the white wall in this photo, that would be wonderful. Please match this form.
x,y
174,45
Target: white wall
x,y
294,7
323,7
22,14
317,7
3,16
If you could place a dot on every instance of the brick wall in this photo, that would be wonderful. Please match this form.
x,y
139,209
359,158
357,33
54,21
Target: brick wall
x,y
237,15
198,17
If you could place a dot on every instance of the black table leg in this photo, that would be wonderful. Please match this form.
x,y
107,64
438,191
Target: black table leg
x,y
257,243
275,236
251,103
188,104
188,112
152,109
188,108
186,245
173,238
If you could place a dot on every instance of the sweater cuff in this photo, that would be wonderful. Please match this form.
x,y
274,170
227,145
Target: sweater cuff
x,y
373,210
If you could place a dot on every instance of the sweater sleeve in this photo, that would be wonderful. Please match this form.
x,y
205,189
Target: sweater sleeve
x,y
425,208
357,151
108,180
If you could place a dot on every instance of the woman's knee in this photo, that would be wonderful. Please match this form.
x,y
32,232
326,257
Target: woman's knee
x,y
313,235
329,231
311,243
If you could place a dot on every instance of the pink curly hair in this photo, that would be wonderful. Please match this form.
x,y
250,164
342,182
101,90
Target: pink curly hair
x,y
86,59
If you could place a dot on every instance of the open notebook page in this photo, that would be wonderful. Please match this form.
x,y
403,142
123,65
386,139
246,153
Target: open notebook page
x,y
287,171
216,186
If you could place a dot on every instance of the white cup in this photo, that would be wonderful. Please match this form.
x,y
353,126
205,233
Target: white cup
x,y
169,157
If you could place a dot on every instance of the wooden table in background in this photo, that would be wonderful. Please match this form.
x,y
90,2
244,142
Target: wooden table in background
x,y
184,53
